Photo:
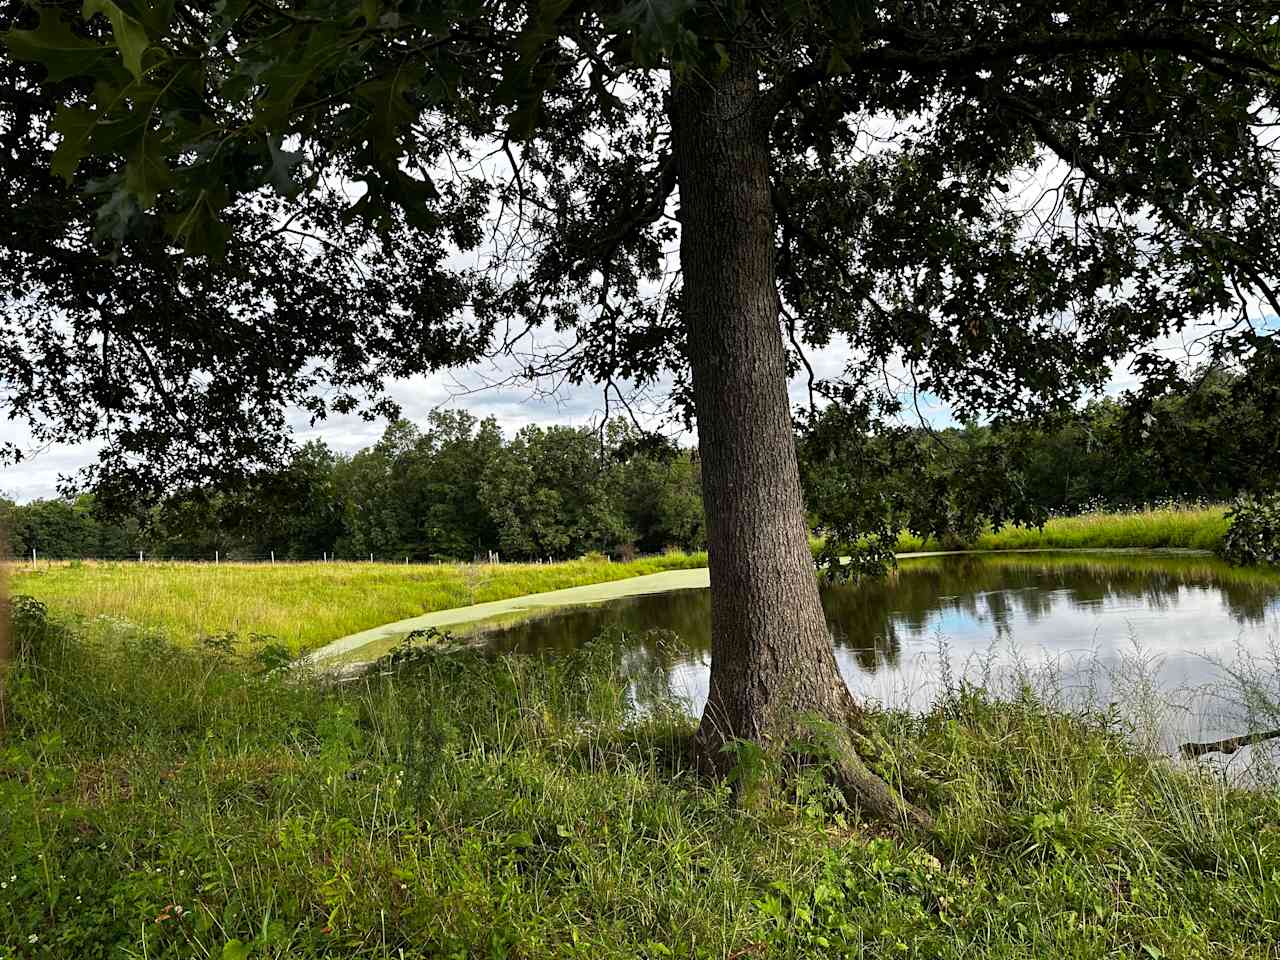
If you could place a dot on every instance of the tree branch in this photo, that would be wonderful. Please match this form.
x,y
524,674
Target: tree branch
x,y
919,53
1125,186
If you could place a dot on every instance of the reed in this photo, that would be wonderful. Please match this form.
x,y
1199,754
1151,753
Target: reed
x,y
1186,527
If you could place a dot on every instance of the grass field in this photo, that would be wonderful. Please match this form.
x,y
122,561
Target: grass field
x,y
302,604
167,803
1197,528
308,604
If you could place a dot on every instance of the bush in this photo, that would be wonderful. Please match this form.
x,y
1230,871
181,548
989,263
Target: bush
x,y
1253,536
29,619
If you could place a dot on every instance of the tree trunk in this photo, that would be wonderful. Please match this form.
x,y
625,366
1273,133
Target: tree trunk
x,y
772,661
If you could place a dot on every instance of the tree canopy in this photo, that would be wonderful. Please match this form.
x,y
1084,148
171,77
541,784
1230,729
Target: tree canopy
x,y
185,369
994,201
903,136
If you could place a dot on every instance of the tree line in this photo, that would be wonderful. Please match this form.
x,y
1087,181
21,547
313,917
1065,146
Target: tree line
x,y
456,488
452,488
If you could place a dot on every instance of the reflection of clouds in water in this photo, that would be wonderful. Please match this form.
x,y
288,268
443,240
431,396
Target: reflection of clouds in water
x,y
1070,625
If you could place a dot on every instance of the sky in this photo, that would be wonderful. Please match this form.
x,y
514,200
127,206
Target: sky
x,y
38,476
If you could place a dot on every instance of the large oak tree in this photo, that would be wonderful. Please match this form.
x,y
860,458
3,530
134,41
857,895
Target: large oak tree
x,y
998,200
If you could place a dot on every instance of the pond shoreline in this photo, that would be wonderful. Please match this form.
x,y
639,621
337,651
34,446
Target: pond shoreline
x,y
687,579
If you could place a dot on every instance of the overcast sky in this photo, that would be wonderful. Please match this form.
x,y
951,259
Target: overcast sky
x,y
38,476
513,408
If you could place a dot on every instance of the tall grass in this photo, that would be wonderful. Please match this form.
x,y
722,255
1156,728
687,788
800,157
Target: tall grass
x,y
1190,527
161,802
302,604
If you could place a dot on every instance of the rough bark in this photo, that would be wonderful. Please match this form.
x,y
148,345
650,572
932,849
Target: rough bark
x,y
772,661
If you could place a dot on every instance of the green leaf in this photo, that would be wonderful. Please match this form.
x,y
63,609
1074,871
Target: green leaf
x,y
76,126
199,228
524,119
389,109
157,16
282,164
130,35
52,44
722,63
235,950
147,173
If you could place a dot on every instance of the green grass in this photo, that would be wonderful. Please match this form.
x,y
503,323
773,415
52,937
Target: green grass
x,y
302,604
1197,528
510,808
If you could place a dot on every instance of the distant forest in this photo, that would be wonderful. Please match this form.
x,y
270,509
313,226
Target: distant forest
x,y
456,488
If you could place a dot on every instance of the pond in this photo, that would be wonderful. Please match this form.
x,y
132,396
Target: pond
x,y
1146,632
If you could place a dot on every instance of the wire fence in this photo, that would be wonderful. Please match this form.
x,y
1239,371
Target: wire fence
x,y
35,558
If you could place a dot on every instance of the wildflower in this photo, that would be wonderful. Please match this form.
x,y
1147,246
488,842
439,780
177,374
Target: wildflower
x,y
4,885
33,939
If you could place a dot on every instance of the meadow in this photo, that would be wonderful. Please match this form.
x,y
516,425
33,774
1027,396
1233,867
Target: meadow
x,y
303,605
162,802
1177,527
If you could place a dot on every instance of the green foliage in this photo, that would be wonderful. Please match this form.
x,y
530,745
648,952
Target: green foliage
x,y
1175,526
304,605
1124,466
29,619
1253,534
203,127
321,322
452,489
168,802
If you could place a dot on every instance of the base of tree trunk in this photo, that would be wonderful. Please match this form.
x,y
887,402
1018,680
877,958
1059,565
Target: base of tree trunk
x,y
836,724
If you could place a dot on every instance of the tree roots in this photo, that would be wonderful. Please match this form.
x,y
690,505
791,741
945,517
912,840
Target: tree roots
x,y
835,744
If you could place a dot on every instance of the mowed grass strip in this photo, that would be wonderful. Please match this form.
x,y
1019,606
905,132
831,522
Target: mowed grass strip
x,y
1185,527
302,604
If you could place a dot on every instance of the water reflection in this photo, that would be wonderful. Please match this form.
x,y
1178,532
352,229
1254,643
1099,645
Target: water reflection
x,y
986,611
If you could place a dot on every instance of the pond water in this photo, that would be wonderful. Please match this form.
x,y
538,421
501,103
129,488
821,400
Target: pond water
x,y
1147,632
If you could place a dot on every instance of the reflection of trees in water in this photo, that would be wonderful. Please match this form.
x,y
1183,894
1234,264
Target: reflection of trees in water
x,y
871,620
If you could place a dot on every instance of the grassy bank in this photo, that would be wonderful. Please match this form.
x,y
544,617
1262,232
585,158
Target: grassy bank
x,y
160,802
1197,528
302,604
308,604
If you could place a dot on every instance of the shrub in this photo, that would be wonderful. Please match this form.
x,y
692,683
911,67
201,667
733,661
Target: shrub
x,y
30,620
1253,535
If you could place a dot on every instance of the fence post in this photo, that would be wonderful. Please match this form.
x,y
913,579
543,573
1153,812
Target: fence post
x,y
371,558
33,556
217,557
139,556
273,558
